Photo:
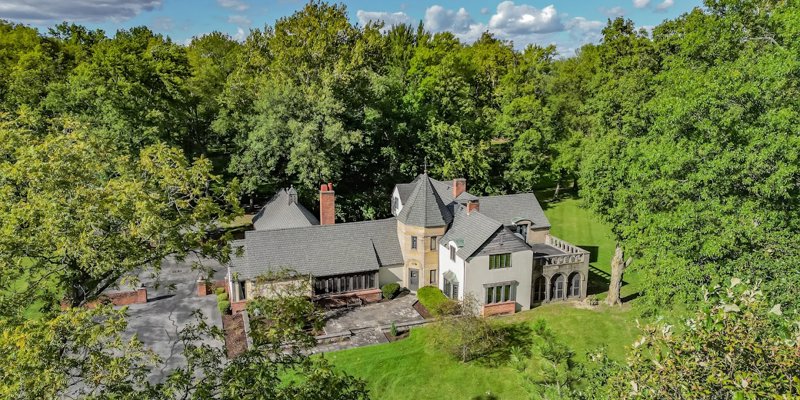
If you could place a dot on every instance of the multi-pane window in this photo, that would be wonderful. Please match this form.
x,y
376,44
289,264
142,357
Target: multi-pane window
x,y
414,242
344,283
522,229
451,289
499,261
452,253
432,276
499,294
433,243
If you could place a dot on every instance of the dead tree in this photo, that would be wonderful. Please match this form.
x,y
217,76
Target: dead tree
x,y
618,266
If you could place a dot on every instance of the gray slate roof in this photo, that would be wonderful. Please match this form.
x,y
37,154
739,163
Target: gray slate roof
x,y
283,211
321,250
470,231
425,207
511,208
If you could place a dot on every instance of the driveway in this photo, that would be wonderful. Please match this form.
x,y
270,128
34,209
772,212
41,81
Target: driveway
x,y
172,301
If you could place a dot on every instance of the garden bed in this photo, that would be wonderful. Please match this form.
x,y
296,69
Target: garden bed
x,y
235,337
400,335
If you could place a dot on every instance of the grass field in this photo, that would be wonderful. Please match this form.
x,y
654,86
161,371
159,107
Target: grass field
x,y
413,369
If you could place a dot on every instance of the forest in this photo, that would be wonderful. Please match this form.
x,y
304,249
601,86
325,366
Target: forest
x,y
683,139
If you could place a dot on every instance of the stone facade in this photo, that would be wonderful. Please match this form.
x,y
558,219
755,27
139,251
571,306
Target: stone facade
x,y
423,260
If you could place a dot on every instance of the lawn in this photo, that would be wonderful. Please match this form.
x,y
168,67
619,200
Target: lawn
x,y
411,368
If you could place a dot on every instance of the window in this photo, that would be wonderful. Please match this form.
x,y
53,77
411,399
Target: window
x,y
451,289
453,253
557,292
499,261
500,293
575,285
522,229
433,243
432,276
538,289
242,290
413,242
345,283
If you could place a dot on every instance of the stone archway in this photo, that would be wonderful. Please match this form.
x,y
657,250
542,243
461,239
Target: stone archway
x,y
574,285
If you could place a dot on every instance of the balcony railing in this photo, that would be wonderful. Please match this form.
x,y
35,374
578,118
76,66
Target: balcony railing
x,y
574,254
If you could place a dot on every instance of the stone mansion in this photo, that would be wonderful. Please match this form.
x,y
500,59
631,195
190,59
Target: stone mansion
x,y
497,249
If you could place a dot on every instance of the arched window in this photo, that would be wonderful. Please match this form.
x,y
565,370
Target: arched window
x,y
557,291
538,289
575,285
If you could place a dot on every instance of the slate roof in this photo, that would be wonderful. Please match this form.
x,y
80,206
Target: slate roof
x,y
511,208
470,231
321,250
405,189
425,206
283,211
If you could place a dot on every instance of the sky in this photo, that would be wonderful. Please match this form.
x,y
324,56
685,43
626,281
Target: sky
x,y
566,23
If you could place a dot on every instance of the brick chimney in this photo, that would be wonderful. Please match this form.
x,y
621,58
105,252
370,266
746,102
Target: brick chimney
x,y
327,205
473,205
459,186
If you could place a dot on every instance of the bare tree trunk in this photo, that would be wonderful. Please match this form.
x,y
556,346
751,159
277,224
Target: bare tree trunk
x,y
615,284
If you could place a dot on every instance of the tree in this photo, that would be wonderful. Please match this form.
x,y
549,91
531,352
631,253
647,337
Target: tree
x,y
737,346
77,353
79,212
618,266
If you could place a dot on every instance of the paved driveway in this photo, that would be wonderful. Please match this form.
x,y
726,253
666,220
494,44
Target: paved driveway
x,y
158,322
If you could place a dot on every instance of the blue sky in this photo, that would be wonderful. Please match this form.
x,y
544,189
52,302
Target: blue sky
x,y
565,23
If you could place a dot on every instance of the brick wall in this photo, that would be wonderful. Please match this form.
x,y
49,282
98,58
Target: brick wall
x,y
508,307
238,306
138,296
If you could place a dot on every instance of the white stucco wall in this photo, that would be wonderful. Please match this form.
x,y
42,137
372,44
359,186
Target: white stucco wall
x,y
390,274
457,267
478,274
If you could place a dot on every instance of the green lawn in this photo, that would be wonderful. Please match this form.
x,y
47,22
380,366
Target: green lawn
x,y
413,369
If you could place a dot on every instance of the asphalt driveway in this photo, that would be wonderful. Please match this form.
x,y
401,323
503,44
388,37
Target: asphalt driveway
x,y
172,303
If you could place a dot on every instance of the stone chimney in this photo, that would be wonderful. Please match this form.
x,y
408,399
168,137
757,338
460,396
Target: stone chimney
x,y
472,206
459,186
327,205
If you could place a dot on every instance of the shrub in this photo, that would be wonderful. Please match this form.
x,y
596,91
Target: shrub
x,y
432,298
222,297
393,330
220,290
390,290
224,306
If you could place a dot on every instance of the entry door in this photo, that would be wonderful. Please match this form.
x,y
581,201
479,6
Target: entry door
x,y
413,279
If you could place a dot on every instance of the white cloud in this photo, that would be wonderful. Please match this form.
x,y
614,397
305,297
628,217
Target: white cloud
x,y
41,11
163,23
240,20
613,12
524,19
641,3
438,19
665,5
396,18
583,30
240,35
237,5
485,10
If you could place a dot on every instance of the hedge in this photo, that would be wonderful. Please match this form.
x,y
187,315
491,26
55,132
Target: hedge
x,y
431,297
222,296
390,290
224,306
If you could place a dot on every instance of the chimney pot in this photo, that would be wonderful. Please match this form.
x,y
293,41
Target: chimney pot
x,y
459,186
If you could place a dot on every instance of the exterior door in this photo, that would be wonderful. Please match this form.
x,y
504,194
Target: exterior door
x,y
413,279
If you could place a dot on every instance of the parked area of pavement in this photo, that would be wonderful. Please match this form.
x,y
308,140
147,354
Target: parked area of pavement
x,y
172,305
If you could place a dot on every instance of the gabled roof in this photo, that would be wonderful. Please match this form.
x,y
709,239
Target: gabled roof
x,y
470,231
425,207
511,208
283,211
321,250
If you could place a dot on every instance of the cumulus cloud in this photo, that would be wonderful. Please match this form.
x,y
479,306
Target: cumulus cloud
x,y
665,5
524,19
240,20
40,11
237,5
240,35
613,12
641,3
396,18
523,24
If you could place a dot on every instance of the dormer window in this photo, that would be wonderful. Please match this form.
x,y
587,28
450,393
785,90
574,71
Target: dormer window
x,y
522,229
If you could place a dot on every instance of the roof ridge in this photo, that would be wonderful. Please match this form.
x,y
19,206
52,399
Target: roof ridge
x,y
326,226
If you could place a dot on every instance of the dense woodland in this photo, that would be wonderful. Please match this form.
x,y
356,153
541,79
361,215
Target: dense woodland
x,y
683,138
